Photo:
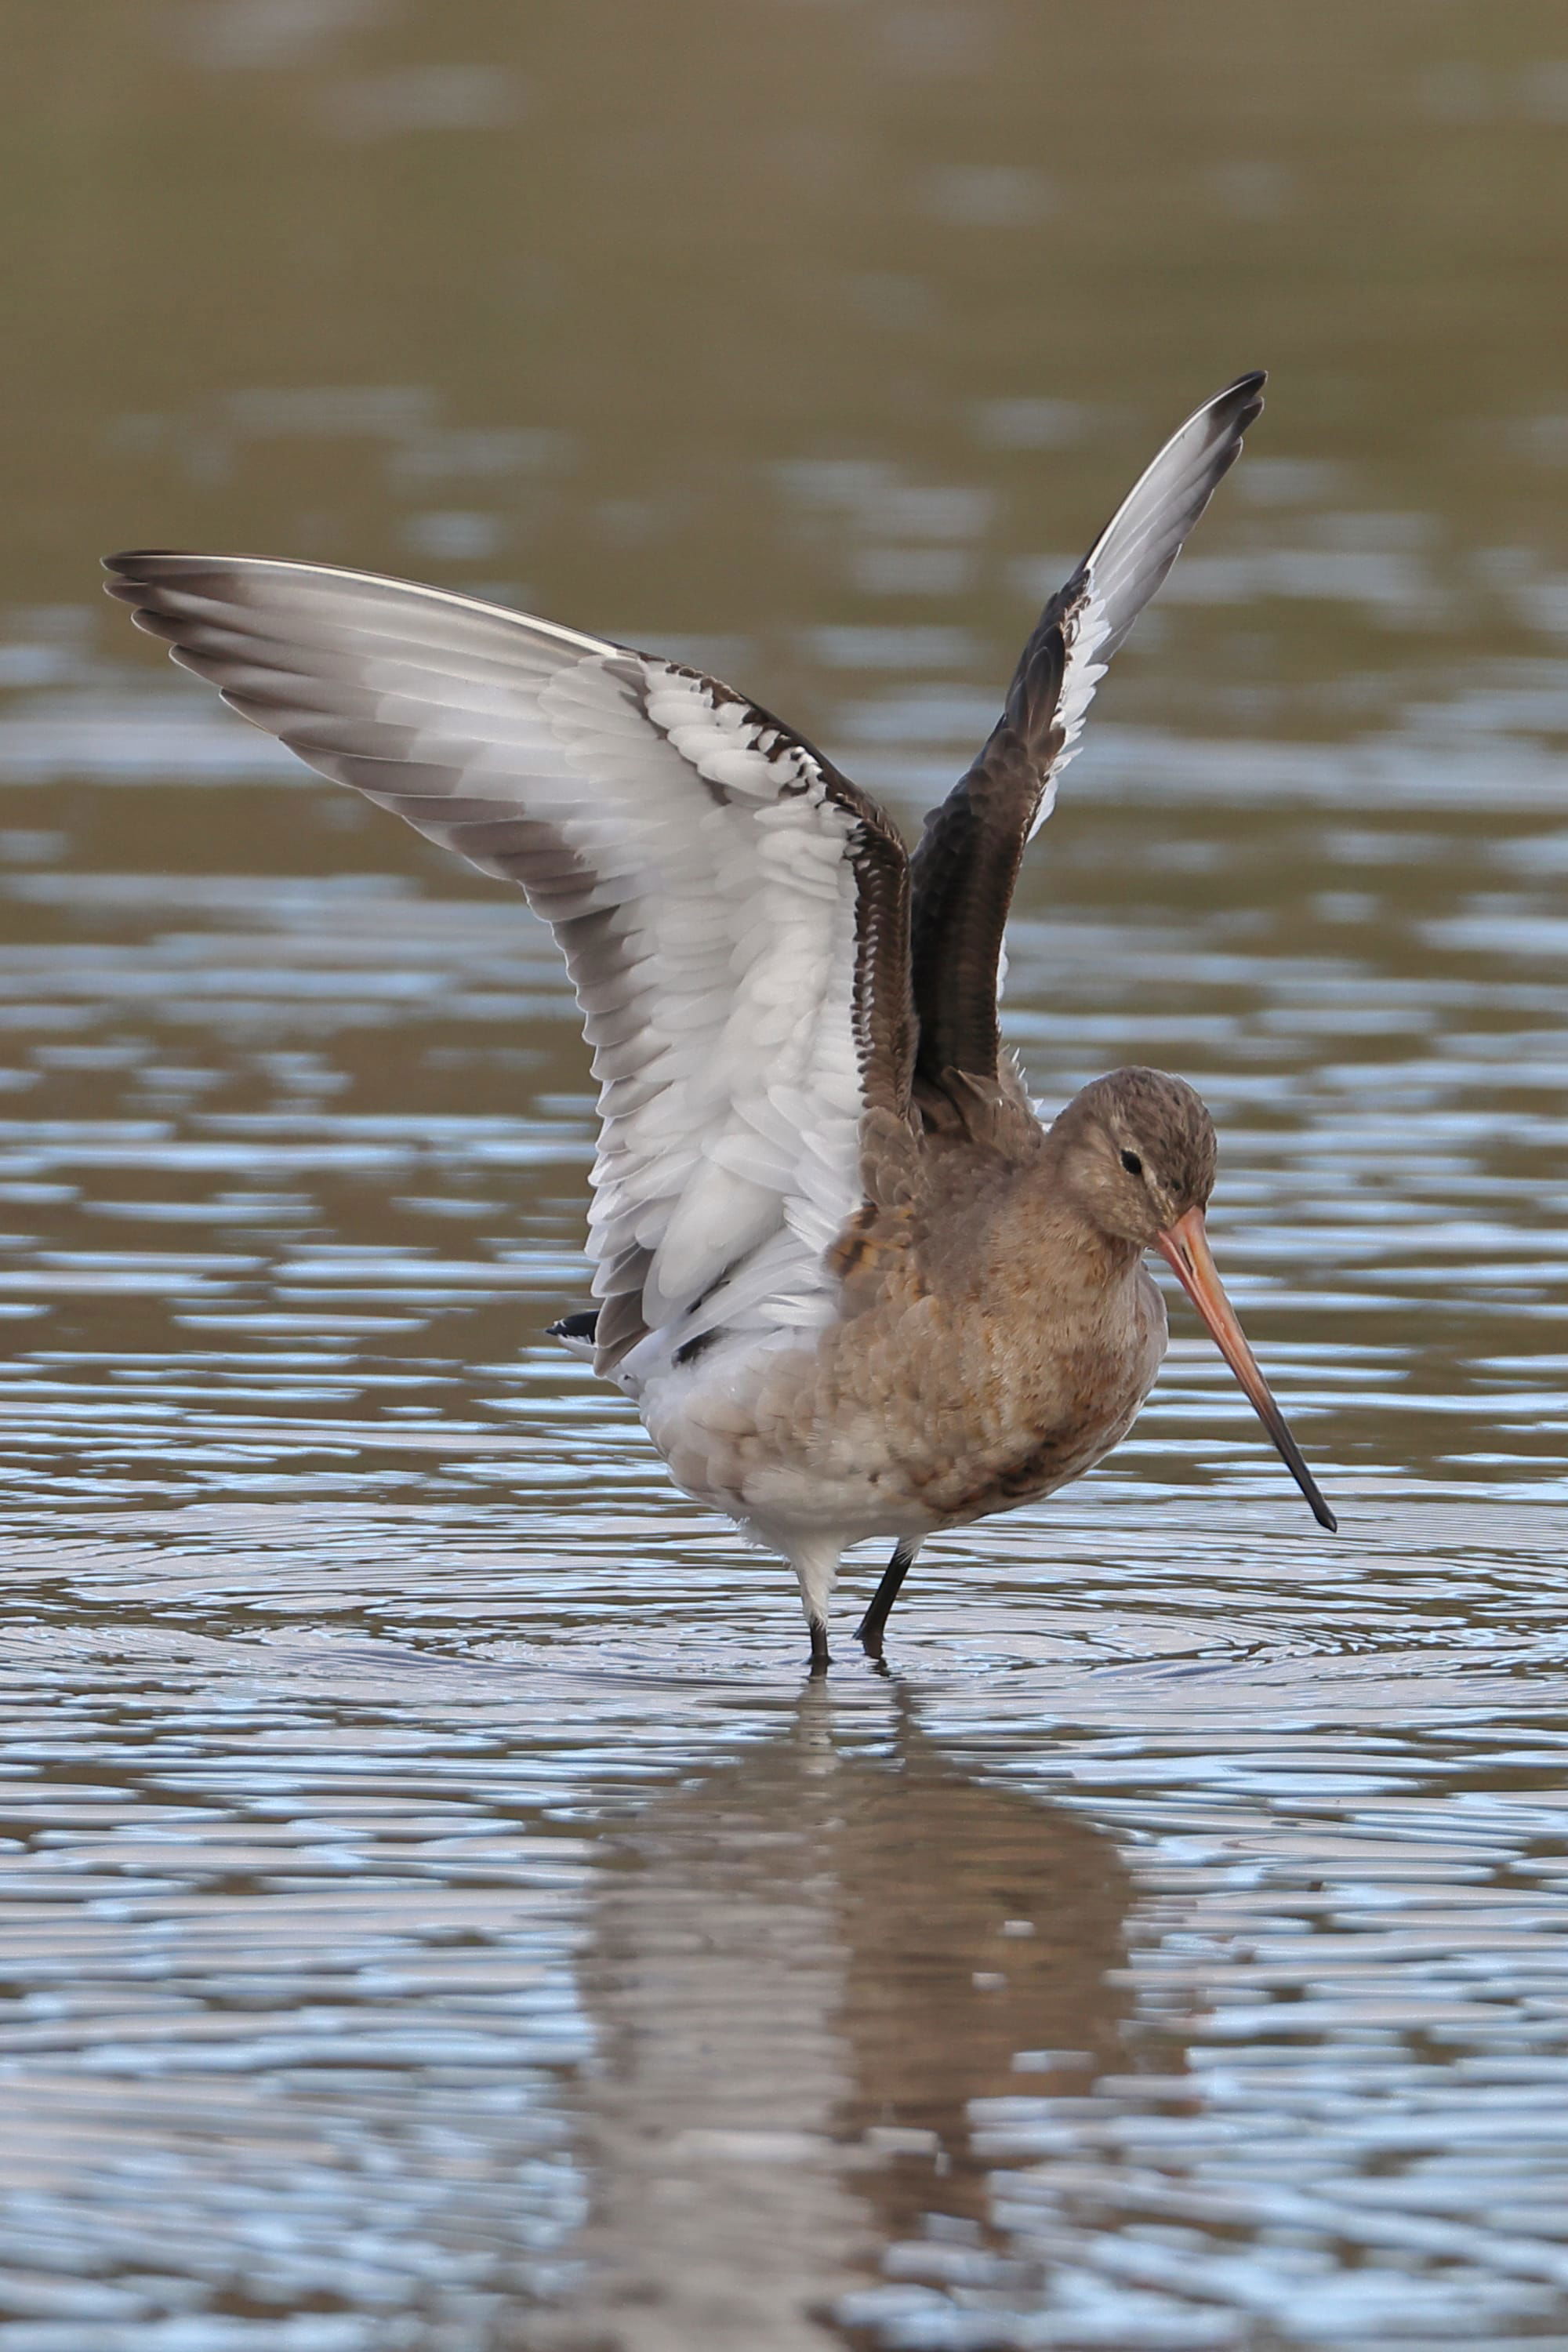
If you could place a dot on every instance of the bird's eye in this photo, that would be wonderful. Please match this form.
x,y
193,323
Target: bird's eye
x,y
1133,1165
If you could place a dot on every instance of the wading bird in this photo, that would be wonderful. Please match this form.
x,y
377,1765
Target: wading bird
x,y
855,1285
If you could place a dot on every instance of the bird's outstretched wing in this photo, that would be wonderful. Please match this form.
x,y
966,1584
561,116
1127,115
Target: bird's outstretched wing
x,y
733,913
967,862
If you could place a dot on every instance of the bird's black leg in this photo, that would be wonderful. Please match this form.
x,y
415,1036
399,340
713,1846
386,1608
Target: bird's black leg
x,y
820,1661
869,1633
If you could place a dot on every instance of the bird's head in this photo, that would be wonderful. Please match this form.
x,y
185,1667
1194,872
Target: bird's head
x,y
1137,1152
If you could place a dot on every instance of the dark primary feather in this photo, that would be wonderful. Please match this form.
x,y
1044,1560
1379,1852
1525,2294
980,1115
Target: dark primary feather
x,y
964,870
580,1326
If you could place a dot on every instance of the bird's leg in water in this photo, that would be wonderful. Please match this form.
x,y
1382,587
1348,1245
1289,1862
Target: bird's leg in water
x,y
820,1661
869,1633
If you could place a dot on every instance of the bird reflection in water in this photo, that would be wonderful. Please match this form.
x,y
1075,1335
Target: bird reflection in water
x,y
804,1968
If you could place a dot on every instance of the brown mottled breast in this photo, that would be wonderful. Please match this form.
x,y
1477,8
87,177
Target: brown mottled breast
x,y
1096,1397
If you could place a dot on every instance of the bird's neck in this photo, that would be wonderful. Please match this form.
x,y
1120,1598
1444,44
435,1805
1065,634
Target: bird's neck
x,y
1029,1234
1061,1242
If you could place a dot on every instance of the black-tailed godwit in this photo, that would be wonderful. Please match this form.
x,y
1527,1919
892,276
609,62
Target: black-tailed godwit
x,y
854,1284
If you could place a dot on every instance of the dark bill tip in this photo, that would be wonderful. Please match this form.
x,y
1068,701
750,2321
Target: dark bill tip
x,y
1185,1249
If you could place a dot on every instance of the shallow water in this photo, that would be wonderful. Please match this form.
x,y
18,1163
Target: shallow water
x,y
437,1917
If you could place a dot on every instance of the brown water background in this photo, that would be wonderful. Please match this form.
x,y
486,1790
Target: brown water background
x,y
433,1917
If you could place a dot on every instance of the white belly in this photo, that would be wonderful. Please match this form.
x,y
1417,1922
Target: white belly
x,y
738,1434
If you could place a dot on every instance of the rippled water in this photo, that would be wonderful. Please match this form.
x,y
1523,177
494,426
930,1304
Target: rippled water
x,y
437,1916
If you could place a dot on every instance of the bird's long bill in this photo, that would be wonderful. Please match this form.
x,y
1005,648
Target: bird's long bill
x,y
1186,1247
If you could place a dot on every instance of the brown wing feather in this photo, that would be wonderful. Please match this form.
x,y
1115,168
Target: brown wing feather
x,y
963,872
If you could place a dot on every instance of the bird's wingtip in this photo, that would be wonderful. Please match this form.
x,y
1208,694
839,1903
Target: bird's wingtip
x,y
134,570
1242,401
